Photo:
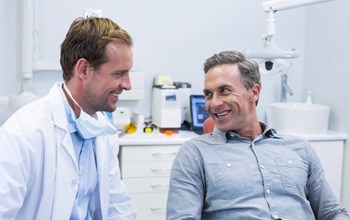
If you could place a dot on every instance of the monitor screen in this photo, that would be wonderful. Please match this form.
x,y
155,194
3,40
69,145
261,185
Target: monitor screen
x,y
198,112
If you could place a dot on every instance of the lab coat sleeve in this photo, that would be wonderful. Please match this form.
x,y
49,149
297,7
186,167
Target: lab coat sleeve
x,y
14,172
322,199
120,202
187,185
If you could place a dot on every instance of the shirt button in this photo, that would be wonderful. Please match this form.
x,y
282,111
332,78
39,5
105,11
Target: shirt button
x,y
268,191
275,217
262,166
228,165
81,173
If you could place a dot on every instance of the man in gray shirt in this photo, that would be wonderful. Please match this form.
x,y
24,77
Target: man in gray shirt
x,y
244,169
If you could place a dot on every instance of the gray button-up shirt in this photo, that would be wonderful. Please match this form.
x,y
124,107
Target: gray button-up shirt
x,y
225,176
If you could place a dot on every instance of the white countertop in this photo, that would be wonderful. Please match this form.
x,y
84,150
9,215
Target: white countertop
x,y
156,138
182,136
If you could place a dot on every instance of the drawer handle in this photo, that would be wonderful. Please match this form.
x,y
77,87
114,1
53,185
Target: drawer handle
x,y
159,187
161,171
164,155
158,210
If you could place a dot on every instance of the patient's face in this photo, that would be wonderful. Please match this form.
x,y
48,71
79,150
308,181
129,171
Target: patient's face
x,y
227,100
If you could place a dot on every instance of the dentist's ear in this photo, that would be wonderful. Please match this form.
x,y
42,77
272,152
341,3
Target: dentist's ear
x,y
81,68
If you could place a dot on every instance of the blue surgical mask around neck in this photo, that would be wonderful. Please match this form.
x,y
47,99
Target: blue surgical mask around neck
x,y
88,126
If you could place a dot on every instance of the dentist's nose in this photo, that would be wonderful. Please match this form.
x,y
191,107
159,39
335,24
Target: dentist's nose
x,y
125,82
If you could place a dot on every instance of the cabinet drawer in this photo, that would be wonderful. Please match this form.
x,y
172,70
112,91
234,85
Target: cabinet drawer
x,y
147,185
149,153
150,206
146,169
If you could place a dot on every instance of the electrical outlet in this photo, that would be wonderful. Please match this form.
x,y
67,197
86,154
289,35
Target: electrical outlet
x,y
93,12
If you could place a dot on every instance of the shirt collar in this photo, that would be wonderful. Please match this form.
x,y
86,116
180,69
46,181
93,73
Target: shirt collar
x,y
269,132
223,136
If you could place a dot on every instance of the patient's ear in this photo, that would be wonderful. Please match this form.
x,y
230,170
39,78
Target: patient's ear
x,y
255,92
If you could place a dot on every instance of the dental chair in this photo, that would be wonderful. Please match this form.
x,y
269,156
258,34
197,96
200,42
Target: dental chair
x,y
208,125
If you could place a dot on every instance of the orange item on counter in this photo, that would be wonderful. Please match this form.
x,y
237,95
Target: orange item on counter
x,y
168,131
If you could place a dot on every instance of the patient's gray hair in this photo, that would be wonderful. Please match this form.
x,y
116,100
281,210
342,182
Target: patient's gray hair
x,y
249,68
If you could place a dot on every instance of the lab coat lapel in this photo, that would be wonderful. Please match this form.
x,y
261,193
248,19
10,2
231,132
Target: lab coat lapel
x,y
102,165
66,165
60,120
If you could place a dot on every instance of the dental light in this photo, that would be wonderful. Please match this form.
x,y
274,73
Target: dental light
x,y
279,5
272,59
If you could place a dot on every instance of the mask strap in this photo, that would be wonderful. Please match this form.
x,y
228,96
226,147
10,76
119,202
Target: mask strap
x,y
70,95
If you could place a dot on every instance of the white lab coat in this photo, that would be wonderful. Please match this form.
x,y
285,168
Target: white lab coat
x,y
38,168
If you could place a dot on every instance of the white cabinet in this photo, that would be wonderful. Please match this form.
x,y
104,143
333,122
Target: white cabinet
x,y
145,163
145,171
330,148
331,156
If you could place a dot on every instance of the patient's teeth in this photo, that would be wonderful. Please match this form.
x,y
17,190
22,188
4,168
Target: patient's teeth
x,y
221,114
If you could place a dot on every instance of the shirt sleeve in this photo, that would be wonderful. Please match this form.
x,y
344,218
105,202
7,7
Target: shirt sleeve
x,y
187,184
323,201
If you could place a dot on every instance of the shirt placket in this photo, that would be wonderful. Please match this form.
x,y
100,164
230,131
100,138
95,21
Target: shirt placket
x,y
267,182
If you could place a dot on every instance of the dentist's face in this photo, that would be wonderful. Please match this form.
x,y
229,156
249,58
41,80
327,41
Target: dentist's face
x,y
228,102
106,83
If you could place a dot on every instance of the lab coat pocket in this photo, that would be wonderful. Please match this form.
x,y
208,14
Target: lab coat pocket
x,y
229,179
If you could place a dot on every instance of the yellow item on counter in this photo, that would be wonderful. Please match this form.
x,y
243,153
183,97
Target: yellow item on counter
x,y
152,127
131,128
148,130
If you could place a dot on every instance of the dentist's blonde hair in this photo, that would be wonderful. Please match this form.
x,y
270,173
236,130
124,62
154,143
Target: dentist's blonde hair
x,y
87,38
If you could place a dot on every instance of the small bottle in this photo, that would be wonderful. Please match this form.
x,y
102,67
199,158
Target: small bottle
x,y
308,97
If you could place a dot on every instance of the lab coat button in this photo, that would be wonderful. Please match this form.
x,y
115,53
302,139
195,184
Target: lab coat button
x,y
74,182
262,166
268,191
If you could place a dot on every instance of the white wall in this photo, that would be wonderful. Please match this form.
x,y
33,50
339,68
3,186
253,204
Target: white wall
x,y
327,72
8,44
171,37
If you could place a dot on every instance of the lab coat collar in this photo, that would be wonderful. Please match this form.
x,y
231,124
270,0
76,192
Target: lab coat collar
x,y
58,111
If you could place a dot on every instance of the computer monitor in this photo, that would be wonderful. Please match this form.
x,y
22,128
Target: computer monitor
x,y
198,113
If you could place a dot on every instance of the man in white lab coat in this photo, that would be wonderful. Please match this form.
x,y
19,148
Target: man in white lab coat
x,y
58,155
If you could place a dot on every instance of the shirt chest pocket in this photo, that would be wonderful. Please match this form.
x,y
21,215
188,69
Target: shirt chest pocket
x,y
228,179
294,174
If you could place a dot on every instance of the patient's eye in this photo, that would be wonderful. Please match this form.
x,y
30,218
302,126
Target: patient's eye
x,y
225,91
208,95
